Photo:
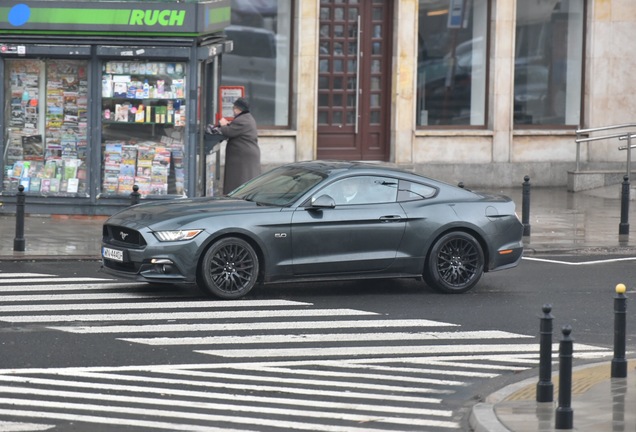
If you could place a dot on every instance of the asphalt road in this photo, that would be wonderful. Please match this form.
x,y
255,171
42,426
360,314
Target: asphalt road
x,y
97,355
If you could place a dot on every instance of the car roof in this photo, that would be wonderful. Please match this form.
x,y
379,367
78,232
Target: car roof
x,y
332,166
338,168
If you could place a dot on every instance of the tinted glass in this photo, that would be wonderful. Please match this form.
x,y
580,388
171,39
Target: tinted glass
x,y
281,186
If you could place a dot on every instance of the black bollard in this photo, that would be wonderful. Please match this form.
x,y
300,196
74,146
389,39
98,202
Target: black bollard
x,y
545,388
623,227
619,364
564,417
525,207
19,242
134,195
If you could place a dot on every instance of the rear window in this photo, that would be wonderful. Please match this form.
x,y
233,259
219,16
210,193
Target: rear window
x,y
410,191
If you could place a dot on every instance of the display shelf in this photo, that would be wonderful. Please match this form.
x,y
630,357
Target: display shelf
x,y
142,107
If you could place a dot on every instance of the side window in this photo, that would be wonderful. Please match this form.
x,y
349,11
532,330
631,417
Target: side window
x,y
410,191
362,190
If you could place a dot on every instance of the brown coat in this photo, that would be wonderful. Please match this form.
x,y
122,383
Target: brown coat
x,y
242,154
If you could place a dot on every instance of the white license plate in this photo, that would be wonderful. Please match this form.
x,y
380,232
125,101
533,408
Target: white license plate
x,y
113,254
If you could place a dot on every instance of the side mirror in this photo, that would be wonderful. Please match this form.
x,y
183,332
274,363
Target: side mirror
x,y
323,201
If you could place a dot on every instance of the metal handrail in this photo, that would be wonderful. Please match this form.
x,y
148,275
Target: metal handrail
x,y
622,136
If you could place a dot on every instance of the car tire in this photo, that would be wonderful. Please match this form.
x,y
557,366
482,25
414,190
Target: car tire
x,y
229,268
455,263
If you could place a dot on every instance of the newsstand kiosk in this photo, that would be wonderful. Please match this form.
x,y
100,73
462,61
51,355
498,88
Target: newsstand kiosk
x,y
99,96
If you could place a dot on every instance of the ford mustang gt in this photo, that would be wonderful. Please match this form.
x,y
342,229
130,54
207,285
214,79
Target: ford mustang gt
x,y
317,220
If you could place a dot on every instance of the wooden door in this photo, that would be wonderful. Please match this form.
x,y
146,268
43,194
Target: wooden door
x,y
354,79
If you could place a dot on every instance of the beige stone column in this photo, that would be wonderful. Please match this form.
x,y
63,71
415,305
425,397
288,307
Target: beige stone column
x,y
502,77
404,68
306,81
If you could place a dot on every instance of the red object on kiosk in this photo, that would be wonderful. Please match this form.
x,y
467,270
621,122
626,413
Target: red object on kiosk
x,y
227,96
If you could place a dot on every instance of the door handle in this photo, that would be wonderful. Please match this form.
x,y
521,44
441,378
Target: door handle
x,y
390,218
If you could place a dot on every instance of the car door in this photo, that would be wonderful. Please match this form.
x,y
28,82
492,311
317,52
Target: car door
x,y
361,236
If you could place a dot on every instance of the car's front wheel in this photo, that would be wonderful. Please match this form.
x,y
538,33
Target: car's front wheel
x,y
229,268
455,263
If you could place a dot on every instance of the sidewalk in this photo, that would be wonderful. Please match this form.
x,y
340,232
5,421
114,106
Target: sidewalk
x,y
561,222
599,403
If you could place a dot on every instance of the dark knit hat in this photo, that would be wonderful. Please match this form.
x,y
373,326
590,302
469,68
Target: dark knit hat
x,y
241,104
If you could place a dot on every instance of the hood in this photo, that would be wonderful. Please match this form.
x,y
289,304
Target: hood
x,y
181,212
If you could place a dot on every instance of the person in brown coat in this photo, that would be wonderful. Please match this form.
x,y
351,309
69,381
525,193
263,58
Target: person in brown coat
x,y
242,154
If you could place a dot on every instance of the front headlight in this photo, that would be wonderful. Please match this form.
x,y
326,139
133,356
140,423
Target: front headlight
x,y
178,235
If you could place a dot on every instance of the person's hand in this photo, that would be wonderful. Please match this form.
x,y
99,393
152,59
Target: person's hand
x,y
223,121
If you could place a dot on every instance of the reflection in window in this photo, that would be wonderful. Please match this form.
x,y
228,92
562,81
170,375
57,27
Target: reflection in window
x,y
548,62
451,62
261,32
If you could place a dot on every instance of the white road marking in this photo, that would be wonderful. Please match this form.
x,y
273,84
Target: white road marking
x,y
113,421
315,387
23,427
57,279
375,350
603,261
92,296
261,421
244,400
324,337
185,315
255,326
166,304
339,383
196,382
76,287
24,275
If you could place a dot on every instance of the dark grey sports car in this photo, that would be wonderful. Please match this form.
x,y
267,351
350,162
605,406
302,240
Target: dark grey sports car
x,y
317,220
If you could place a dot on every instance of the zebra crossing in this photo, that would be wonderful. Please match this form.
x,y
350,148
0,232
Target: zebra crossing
x,y
260,365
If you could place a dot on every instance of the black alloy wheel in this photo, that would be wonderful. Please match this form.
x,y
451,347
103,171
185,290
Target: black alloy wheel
x,y
455,263
229,269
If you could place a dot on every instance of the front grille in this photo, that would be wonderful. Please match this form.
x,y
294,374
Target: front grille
x,y
117,235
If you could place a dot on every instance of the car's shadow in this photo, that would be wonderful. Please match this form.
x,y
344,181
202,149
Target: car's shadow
x,y
370,287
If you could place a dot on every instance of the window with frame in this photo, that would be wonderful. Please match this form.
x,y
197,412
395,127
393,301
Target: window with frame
x,y
451,62
46,139
362,190
260,61
548,62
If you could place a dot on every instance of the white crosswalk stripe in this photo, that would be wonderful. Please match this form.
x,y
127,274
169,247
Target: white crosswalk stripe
x,y
278,364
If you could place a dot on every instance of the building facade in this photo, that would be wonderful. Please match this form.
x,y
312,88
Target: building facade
x,y
478,91
482,92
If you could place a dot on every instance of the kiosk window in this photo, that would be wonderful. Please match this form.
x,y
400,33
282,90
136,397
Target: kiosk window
x,y
46,113
143,121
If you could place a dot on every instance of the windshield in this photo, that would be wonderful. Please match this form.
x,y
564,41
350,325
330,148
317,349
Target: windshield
x,y
279,187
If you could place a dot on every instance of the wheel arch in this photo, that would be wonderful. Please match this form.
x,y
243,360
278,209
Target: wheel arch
x,y
468,230
238,234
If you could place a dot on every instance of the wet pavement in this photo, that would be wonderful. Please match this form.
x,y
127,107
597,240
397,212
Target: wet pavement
x,y
561,222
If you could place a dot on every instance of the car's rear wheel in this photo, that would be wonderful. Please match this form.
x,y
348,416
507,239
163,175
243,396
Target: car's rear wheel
x,y
229,268
455,263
